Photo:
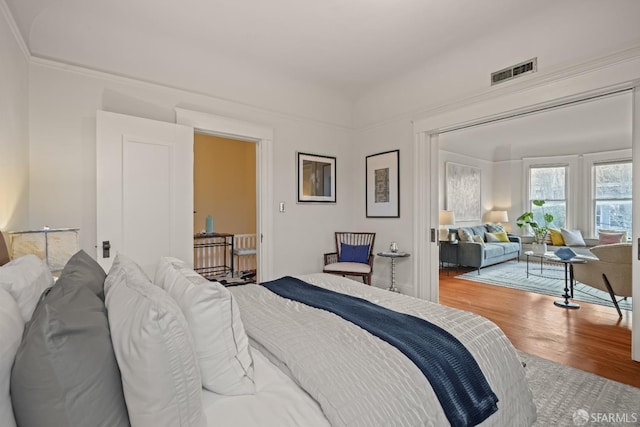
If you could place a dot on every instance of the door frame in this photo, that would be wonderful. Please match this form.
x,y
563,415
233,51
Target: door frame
x,y
262,136
531,94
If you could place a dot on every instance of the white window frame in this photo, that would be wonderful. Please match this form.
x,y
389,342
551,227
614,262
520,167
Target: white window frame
x,y
572,184
591,160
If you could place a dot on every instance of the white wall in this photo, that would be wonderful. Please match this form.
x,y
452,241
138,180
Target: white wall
x,y
63,103
486,181
378,140
575,32
14,128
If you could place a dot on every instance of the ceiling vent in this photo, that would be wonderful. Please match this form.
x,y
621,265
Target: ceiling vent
x,y
526,67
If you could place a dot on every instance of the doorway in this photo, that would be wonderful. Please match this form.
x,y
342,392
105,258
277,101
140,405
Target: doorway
x,y
225,202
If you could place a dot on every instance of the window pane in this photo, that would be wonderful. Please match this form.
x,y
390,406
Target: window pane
x,y
556,208
614,215
548,183
613,181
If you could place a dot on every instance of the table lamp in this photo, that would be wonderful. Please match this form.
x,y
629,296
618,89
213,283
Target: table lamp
x,y
53,245
445,218
498,217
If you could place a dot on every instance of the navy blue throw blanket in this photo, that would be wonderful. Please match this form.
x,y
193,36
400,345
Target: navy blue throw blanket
x,y
456,378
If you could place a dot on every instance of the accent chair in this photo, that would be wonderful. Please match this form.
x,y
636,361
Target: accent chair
x,y
353,255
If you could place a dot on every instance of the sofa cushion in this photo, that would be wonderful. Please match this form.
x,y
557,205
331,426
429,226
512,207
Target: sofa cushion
x,y
154,349
65,373
492,250
479,230
556,237
11,327
465,234
511,247
572,237
25,278
214,320
605,238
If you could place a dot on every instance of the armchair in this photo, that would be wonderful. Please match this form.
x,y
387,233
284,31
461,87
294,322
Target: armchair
x,y
610,272
353,255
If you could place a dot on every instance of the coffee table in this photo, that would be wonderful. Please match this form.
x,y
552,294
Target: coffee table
x,y
568,274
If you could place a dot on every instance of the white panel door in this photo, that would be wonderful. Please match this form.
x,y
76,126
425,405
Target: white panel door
x,y
144,190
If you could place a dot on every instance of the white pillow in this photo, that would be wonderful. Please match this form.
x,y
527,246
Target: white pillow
x,y
11,328
491,237
572,237
154,349
25,278
478,239
213,316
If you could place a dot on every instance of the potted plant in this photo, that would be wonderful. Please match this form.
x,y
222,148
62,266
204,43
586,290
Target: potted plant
x,y
540,231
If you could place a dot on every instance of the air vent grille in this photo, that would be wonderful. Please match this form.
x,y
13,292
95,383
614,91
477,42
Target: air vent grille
x,y
514,71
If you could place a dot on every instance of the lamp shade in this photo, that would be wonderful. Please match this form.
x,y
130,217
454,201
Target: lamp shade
x,y
54,246
498,217
446,218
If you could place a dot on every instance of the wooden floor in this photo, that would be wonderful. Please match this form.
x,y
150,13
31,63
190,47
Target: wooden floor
x,y
591,338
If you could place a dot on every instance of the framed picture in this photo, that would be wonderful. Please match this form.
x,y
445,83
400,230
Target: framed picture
x,y
383,185
463,191
316,178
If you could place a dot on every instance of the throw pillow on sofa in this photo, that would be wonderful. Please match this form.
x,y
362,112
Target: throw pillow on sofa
x,y
155,352
611,238
497,237
572,237
222,346
65,372
556,237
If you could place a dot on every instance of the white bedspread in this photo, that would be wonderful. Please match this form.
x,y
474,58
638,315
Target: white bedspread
x,y
278,402
360,380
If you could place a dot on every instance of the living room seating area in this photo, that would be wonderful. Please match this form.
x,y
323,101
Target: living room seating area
x,y
481,246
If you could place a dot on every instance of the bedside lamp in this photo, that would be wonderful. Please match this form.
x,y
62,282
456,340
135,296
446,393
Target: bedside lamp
x,y
53,245
445,218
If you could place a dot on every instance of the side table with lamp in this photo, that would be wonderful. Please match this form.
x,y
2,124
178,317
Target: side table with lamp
x,y
393,253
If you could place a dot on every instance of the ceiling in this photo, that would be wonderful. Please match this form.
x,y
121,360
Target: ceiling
x,y
348,46
600,124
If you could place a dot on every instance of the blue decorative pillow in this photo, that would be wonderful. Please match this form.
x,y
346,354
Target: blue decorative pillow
x,y
354,253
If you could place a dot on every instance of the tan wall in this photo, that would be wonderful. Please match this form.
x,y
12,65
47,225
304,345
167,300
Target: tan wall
x,y
224,184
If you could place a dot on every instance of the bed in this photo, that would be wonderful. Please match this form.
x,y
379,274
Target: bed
x,y
277,361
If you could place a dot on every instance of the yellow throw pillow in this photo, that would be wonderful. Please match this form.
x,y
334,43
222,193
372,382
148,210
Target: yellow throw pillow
x,y
502,236
556,237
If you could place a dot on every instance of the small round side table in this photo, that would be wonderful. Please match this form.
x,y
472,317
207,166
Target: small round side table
x,y
393,256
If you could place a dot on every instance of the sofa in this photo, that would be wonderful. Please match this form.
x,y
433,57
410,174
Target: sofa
x,y
475,248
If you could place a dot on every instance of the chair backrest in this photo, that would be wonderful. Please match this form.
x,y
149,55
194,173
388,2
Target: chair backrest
x,y
619,253
355,238
615,261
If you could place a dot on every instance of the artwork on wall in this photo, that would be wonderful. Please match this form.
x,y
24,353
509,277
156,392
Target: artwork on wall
x,y
383,185
316,178
463,191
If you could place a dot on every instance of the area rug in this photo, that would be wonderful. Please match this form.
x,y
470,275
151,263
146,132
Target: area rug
x,y
565,396
512,274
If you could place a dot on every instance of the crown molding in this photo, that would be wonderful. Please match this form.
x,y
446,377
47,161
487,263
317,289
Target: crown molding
x,y
8,16
630,52
151,84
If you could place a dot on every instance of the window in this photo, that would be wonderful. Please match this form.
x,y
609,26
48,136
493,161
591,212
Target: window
x,y
549,183
612,196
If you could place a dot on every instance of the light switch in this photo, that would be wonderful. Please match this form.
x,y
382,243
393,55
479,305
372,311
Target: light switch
x,y
281,206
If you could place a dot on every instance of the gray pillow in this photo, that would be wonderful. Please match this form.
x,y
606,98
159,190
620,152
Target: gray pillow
x,y
65,372
81,268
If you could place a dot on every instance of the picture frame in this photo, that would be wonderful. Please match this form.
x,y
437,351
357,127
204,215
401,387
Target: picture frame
x,y
316,178
383,185
463,191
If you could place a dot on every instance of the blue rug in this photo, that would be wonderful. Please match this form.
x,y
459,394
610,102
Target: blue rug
x,y
513,275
